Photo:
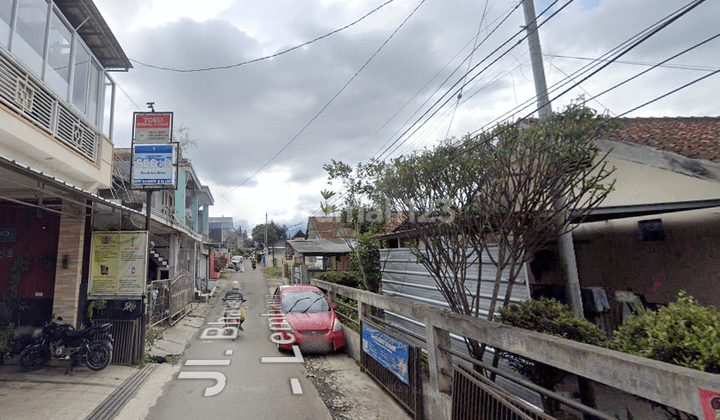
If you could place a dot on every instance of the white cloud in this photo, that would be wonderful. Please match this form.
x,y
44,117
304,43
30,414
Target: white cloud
x,y
244,116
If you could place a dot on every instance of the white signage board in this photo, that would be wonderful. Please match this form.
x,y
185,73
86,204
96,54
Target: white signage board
x,y
154,166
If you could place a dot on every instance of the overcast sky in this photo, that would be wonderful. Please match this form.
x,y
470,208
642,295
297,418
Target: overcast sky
x,y
243,116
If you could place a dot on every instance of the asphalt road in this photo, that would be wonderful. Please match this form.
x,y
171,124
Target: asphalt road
x,y
225,379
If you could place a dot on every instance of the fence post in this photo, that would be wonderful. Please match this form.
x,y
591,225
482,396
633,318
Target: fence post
x,y
440,367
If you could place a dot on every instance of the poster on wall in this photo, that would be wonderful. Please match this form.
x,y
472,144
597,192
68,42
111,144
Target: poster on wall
x,y
119,263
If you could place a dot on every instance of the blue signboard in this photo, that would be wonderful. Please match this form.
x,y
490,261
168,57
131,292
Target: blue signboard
x,y
388,351
153,165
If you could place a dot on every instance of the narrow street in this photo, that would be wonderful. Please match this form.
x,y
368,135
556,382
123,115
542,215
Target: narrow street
x,y
220,378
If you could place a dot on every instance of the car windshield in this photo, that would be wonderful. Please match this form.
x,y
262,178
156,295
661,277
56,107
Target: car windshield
x,y
307,301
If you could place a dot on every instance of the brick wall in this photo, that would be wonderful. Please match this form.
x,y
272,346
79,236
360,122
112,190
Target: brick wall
x,y
67,280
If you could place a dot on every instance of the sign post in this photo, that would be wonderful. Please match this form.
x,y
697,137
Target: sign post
x,y
154,166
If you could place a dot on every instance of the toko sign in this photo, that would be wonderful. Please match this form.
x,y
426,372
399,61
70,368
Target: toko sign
x,y
152,127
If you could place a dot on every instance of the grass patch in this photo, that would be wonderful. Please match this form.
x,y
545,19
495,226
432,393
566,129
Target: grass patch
x,y
272,271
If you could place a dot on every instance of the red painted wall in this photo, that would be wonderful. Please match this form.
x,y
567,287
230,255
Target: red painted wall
x,y
37,240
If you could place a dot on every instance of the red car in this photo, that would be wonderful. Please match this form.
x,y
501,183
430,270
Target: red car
x,y
316,327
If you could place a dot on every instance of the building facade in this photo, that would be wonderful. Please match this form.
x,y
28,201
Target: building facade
x,y
55,150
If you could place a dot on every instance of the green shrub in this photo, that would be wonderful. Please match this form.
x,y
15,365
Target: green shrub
x,y
547,316
344,278
683,333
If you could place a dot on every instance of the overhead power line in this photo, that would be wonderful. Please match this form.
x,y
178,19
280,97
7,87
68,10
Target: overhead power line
x,y
267,57
437,108
302,130
640,63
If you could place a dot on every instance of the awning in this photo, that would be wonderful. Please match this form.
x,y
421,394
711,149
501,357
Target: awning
x,y
638,210
21,184
608,213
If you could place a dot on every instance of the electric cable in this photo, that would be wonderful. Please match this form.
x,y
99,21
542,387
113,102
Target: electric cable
x,y
510,11
636,39
507,16
474,77
302,130
267,57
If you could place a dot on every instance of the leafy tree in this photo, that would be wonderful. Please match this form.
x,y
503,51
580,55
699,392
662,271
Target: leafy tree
x,y
499,189
274,233
182,136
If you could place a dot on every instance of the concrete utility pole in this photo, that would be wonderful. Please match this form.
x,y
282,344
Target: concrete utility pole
x,y
566,250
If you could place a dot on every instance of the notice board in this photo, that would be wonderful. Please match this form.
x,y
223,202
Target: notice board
x,y
119,263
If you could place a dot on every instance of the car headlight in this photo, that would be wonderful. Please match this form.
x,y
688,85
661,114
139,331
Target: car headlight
x,y
337,326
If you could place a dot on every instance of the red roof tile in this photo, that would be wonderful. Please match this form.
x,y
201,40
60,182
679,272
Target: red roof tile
x,y
692,137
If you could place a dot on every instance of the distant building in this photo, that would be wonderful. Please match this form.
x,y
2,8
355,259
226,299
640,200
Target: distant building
x,y
218,226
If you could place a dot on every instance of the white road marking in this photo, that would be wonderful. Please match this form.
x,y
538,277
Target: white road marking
x,y
228,352
222,362
296,388
211,390
298,358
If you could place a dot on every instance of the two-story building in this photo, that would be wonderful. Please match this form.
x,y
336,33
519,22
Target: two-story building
x,y
56,150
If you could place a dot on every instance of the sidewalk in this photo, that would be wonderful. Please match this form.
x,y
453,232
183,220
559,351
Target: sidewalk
x,y
82,394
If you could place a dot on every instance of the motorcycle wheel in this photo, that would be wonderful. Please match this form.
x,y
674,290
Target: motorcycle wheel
x,y
33,358
98,356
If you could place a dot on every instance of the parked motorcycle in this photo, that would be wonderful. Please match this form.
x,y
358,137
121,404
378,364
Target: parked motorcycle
x,y
65,342
234,314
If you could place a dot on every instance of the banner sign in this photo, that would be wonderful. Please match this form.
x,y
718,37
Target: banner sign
x,y
119,263
152,127
154,165
389,352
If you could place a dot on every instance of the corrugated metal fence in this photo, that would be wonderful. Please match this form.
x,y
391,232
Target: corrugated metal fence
x,y
404,277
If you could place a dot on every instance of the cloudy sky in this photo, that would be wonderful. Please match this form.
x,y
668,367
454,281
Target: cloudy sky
x,y
264,129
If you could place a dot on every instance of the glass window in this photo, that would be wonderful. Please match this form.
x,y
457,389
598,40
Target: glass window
x,y
80,83
93,94
57,72
5,20
30,40
304,302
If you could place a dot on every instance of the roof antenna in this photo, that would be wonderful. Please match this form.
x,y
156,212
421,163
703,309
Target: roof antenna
x,y
151,105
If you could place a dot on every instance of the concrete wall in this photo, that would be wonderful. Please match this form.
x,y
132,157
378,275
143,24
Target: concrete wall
x,y
615,255
641,184
28,145
67,280
656,381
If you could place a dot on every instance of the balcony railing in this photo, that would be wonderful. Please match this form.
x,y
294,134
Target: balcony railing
x,y
28,96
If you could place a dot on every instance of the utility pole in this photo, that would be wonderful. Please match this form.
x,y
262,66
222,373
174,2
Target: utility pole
x,y
566,250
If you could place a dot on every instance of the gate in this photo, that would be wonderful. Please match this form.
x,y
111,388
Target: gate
x,y
126,336
476,397
383,357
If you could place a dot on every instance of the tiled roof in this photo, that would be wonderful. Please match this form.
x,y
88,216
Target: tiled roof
x,y
692,137
325,227
311,247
